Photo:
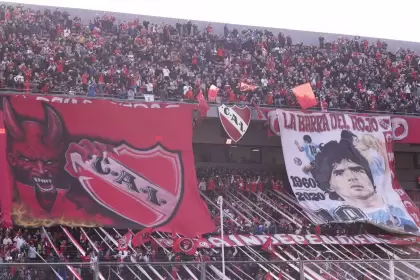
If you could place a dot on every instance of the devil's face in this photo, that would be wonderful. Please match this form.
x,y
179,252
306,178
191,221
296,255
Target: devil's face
x,y
35,149
36,163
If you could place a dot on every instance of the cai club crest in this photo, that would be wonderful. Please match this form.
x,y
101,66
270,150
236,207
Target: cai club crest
x,y
127,181
235,120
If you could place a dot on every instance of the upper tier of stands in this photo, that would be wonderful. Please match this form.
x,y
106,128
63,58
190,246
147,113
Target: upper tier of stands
x,y
51,51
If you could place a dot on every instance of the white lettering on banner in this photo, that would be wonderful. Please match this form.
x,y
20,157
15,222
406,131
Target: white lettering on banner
x,y
344,240
264,239
293,239
217,242
372,239
250,240
204,244
323,151
329,239
235,239
63,100
234,119
313,239
396,123
400,192
361,239
408,204
100,175
284,239
125,180
298,238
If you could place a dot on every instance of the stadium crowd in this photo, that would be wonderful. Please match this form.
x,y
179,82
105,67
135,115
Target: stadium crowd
x,y
252,200
51,51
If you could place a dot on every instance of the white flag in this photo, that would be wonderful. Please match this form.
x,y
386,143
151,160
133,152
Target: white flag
x,y
149,97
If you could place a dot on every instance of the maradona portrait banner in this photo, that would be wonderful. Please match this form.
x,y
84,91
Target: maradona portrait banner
x,y
341,169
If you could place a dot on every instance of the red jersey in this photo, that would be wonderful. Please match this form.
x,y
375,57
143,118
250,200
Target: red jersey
x,y
211,185
268,276
85,77
254,187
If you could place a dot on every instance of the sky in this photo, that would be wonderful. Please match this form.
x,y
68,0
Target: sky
x,y
367,18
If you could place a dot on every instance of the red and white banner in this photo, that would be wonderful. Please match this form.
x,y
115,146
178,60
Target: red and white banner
x,y
403,128
341,166
100,164
294,239
185,245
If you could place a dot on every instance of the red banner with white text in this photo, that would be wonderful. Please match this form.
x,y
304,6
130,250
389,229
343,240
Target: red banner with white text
x,y
403,128
97,163
294,239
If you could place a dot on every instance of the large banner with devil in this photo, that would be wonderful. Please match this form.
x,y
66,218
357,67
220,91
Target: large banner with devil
x,y
96,163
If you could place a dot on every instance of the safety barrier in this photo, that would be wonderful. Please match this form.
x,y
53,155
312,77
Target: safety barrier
x,y
140,98
212,270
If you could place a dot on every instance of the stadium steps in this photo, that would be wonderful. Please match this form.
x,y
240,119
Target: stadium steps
x,y
247,208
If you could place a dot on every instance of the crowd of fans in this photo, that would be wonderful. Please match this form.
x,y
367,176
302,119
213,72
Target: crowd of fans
x,y
51,51
249,197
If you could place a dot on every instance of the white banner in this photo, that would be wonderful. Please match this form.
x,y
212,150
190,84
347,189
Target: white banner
x,y
341,167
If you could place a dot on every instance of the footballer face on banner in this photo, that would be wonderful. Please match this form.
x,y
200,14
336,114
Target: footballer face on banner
x,y
340,167
89,165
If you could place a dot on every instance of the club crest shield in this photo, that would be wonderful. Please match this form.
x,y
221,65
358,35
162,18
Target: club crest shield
x,y
186,245
235,120
129,179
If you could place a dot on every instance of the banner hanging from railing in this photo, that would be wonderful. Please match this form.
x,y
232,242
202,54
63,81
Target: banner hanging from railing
x,y
341,167
235,120
233,240
99,164
403,128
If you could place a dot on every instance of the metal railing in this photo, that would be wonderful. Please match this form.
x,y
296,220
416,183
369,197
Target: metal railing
x,y
297,269
140,98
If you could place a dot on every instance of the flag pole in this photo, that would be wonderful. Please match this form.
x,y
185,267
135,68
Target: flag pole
x,y
220,202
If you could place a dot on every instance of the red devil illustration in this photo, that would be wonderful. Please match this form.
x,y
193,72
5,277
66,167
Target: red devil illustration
x,y
35,152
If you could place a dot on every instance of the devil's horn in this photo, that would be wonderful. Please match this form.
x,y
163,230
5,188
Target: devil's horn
x,y
10,121
54,128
